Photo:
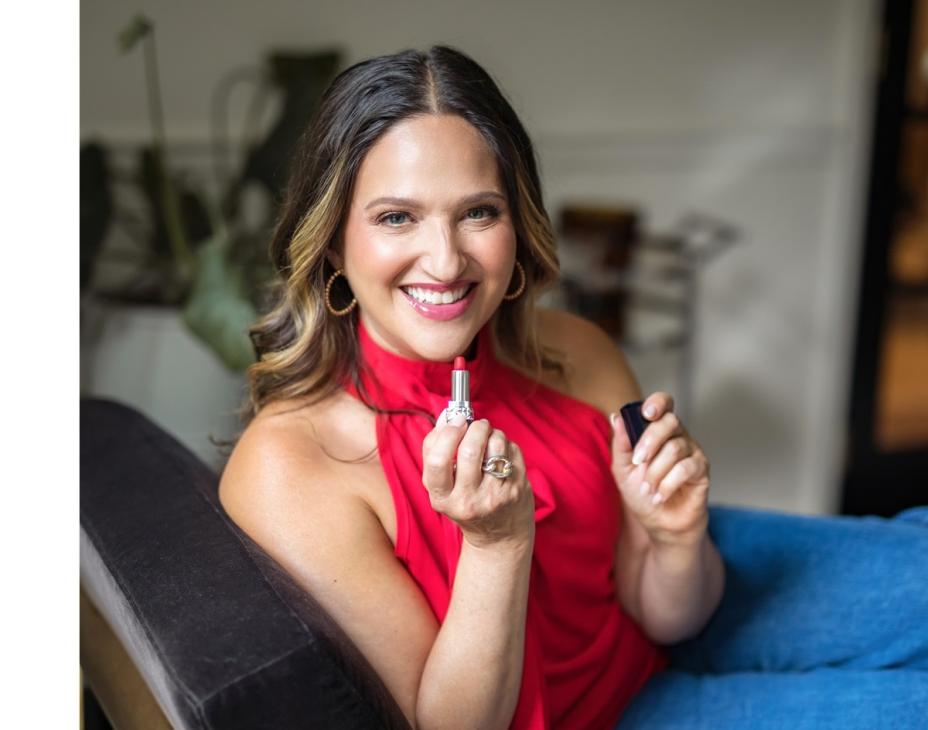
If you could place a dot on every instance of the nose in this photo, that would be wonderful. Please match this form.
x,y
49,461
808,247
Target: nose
x,y
445,259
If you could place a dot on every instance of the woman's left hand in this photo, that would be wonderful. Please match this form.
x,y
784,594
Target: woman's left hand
x,y
665,480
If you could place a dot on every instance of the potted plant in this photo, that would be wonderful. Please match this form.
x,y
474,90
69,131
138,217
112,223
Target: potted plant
x,y
173,269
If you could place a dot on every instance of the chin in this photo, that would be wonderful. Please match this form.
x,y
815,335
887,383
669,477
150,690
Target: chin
x,y
432,345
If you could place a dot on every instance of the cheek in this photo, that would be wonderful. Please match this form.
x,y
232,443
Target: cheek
x,y
496,250
374,259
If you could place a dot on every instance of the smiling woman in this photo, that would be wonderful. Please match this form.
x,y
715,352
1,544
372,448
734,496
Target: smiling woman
x,y
414,231
546,594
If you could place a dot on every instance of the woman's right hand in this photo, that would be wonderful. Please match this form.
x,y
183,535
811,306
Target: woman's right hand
x,y
490,511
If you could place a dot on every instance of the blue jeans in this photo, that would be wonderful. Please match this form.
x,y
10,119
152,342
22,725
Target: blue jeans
x,y
824,624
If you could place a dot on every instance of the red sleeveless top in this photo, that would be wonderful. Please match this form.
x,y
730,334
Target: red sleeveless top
x,y
584,657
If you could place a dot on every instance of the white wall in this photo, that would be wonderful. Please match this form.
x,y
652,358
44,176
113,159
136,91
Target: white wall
x,y
755,111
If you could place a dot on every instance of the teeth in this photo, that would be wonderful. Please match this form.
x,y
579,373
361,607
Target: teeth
x,y
434,297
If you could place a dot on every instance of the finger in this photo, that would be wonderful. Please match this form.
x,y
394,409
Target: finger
x,y
511,485
437,457
439,424
655,435
470,455
442,426
493,487
690,469
656,405
621,442
515,456
497,444
672,451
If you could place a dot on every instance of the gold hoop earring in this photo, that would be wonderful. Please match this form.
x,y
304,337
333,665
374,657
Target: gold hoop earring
x,y
510,297
328,303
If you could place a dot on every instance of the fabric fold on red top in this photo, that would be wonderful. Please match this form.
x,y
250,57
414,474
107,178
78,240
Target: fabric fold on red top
x,y
585,659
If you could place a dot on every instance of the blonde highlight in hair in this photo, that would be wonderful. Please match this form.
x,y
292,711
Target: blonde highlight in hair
x,y
303,351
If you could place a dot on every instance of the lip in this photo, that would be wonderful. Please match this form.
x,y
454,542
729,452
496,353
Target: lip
x,y
442,312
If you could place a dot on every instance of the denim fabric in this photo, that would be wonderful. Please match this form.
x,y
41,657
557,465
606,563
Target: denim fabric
x,y
824,624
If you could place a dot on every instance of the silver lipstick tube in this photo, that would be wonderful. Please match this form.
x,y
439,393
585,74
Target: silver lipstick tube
x,y
460,396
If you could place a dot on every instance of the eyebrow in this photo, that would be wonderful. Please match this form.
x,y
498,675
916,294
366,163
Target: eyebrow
x,y
476,197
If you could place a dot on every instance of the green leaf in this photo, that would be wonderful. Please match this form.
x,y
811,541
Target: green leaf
x,y
218,311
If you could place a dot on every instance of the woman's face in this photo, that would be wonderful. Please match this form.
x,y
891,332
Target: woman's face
x,y
446,226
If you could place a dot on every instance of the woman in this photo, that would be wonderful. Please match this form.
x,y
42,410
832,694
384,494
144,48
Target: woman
x,y
414,232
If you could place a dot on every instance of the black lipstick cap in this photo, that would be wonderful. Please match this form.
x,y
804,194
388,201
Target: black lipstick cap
x,y
634,421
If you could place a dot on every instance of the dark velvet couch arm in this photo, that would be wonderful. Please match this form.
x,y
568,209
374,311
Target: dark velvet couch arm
x,y
223,637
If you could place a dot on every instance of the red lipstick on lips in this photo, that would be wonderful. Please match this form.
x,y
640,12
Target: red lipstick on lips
x,y
460,392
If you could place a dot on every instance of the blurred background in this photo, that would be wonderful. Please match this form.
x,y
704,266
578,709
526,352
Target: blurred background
x,y
740,191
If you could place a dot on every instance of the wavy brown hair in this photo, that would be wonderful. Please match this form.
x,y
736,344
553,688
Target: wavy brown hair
x,y
305,352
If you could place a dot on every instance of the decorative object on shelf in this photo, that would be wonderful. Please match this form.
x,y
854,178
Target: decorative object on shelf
x,y
595,245
610,269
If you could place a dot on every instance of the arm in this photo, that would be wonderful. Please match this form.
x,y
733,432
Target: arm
x,y
280,488
670,589
474,672
669,576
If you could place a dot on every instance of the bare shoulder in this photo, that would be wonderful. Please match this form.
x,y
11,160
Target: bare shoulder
x,y
281,471
305,509
287,433
597,371
278,443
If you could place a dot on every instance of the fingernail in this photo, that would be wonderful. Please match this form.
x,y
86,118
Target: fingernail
x,y
458,420
613,419
657,498
649,411
638,456
644,488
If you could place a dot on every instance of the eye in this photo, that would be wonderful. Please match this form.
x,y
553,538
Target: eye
x,y
391,218
489,211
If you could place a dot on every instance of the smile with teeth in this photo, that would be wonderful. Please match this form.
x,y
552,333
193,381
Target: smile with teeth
x,y
433,297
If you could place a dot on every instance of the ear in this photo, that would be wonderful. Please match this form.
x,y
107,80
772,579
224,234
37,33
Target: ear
x,y
334,258
336,248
